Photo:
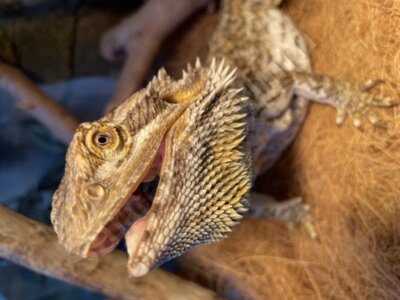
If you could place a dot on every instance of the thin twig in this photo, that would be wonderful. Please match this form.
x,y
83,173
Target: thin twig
x,y
40,106
140,37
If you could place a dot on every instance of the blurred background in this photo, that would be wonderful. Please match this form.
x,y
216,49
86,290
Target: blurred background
x,y
55,43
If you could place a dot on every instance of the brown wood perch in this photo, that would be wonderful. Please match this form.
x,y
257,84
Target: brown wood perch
x,y
36,103
34,245
139,38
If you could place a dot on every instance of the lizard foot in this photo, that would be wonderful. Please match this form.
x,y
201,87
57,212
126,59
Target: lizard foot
x,y
292,212
295,212
359,101
355,100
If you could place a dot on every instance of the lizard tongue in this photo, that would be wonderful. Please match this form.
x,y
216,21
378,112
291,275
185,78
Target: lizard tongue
x,y
133,238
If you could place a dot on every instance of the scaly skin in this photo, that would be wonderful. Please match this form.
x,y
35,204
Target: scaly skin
x,y
275,70
199,125
204,138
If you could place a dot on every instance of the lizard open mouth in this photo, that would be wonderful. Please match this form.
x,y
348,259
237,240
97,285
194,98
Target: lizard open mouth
x,y
130,219
134,209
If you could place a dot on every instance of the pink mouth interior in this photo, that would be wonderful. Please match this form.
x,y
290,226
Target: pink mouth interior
x,y
136,207
131,217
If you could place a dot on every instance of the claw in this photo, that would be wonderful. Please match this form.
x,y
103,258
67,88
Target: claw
x,y
307,221
309,226
340,116
385,102
372,117
371,83
300,215
197,63
357,120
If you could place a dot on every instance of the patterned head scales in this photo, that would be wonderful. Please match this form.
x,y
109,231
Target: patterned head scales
x,y
196,127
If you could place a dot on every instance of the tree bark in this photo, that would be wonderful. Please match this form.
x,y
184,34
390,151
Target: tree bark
x,y
139,37
34,245
36,103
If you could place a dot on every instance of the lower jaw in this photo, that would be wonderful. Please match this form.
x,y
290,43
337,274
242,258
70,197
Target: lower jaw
x,y
130,219
133,220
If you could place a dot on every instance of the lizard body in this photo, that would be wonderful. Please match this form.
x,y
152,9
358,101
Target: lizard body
x,y
206,136
262,42
274,68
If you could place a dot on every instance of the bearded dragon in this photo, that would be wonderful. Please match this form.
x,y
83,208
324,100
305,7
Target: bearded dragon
x,y
205,136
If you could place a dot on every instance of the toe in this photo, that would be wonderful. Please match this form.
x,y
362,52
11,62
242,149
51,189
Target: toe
x,y
340,116
371,83
373,117
385,102
357,120
309,226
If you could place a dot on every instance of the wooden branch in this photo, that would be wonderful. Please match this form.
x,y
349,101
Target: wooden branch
x,y
40,106
34,245
140,37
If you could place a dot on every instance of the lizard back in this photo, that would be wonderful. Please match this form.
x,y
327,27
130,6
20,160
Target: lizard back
x,y
264,45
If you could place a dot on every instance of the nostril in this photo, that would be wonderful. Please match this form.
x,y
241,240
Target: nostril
x,y
95,191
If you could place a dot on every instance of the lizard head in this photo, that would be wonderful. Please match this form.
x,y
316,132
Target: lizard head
x,y
190,136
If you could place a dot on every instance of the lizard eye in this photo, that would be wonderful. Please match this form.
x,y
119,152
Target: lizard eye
x,y
103,139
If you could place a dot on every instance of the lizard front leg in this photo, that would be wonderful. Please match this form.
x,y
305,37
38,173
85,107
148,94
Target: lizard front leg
x,y
292,211
356,100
